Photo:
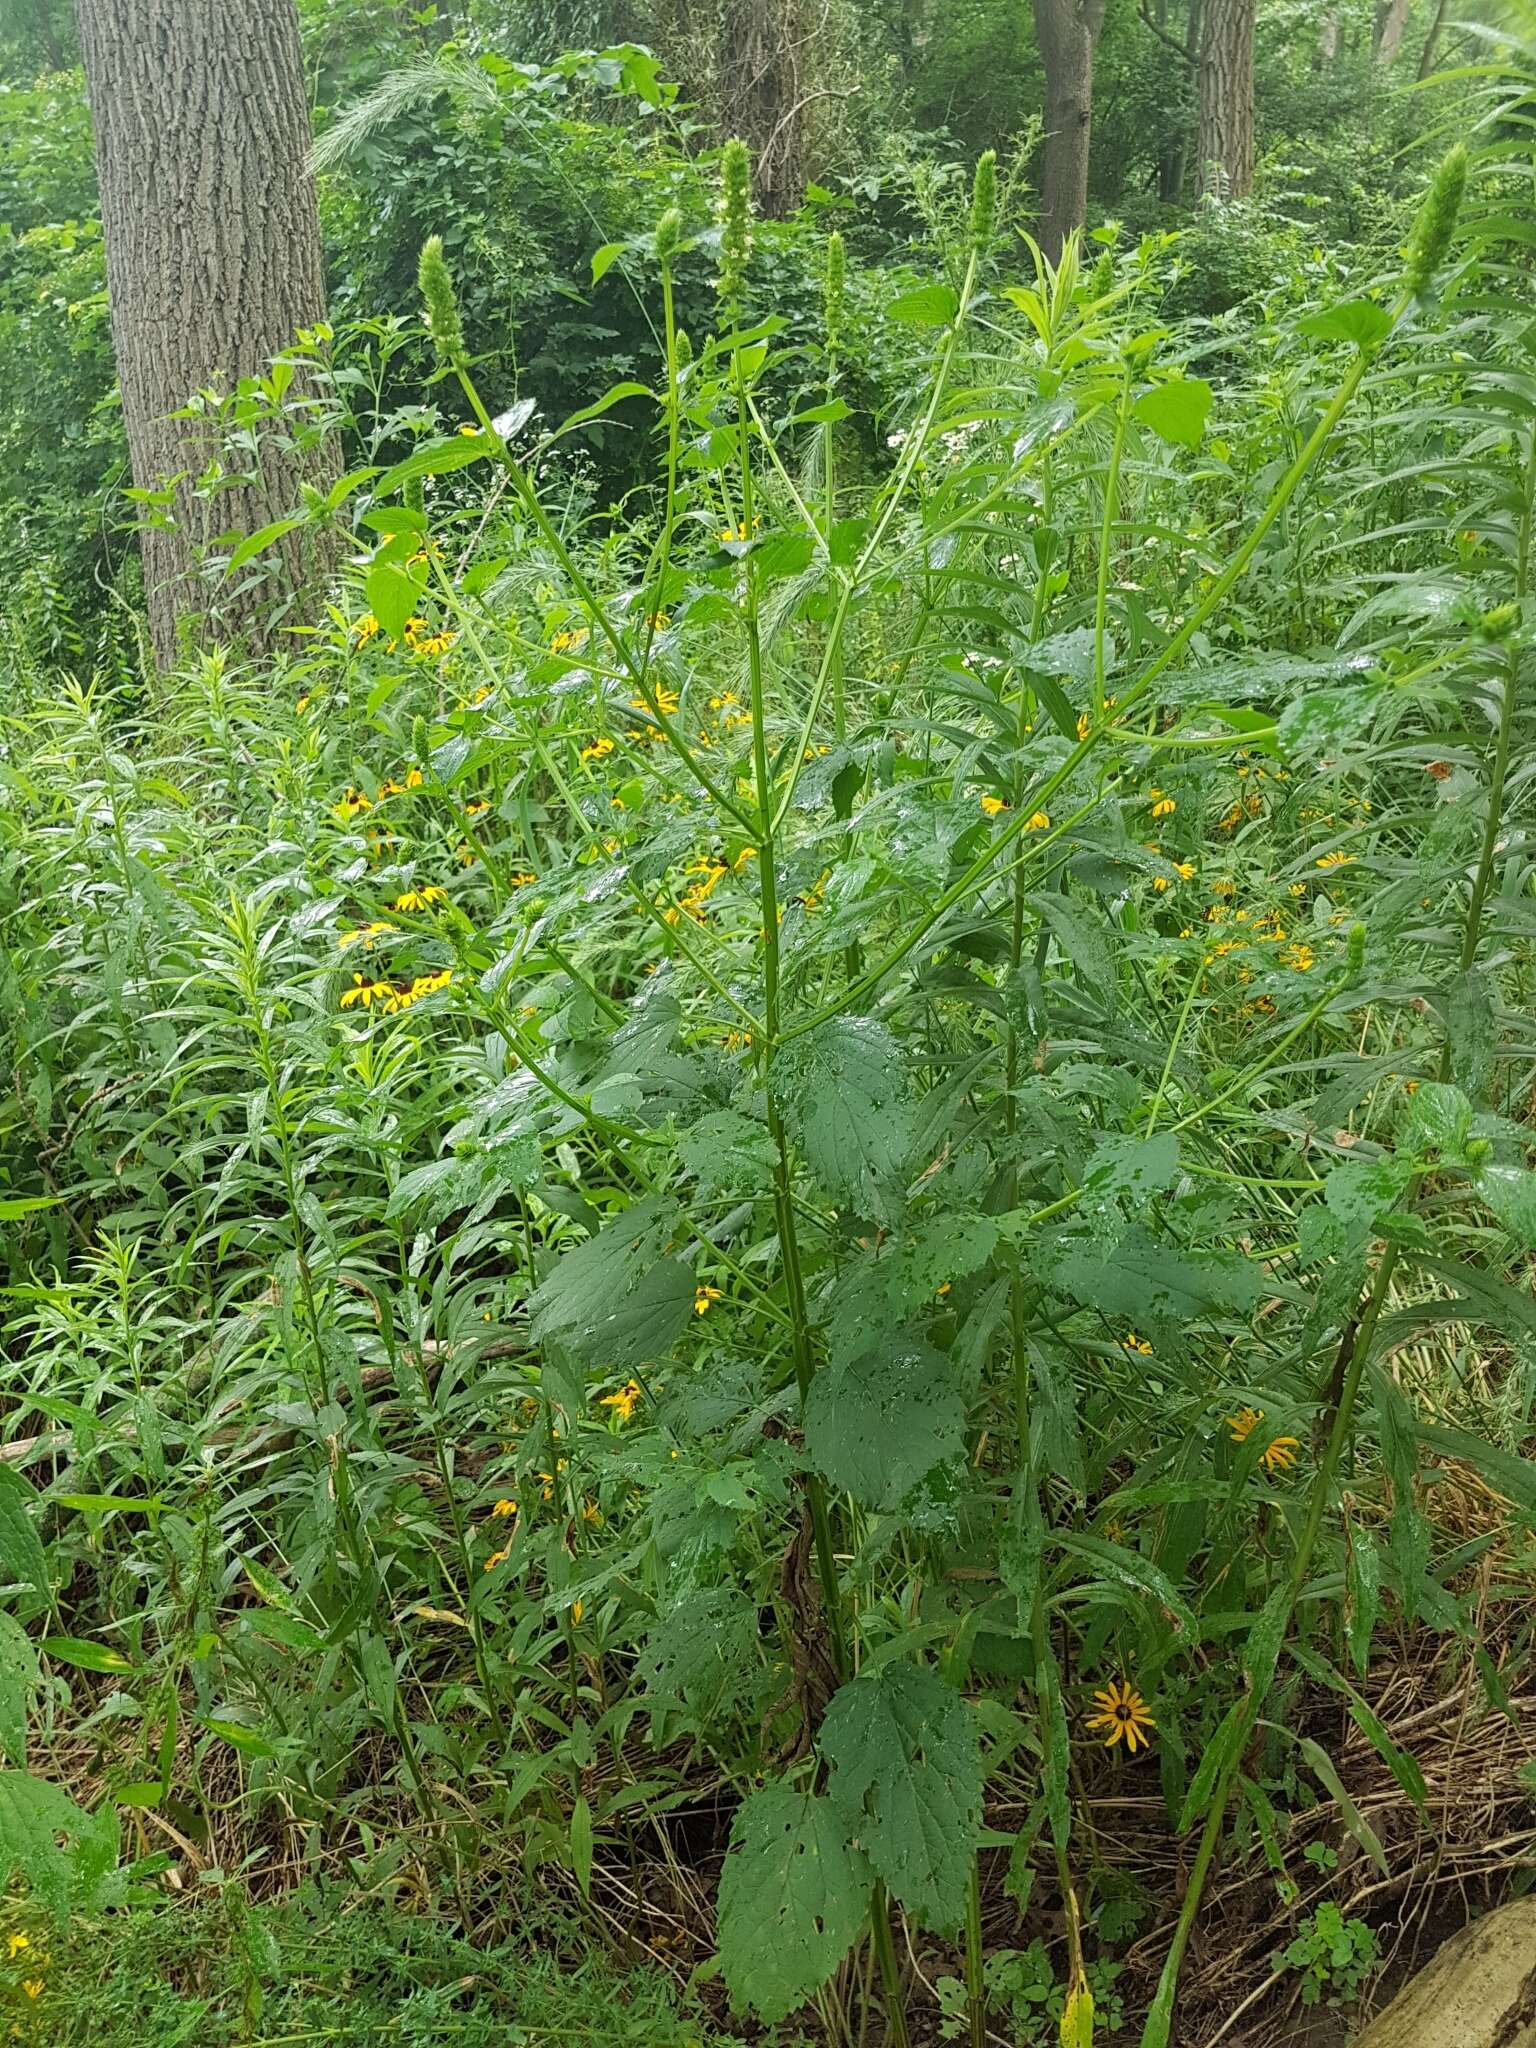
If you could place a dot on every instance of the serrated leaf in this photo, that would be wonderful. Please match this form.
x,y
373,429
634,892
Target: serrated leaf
x,y
906,1775
728,1151
842,1090
702,1651
1176,409
1437,1119
22,1558
1324,723
877,1424
1131,1169
1510,1192
20,1677
1084,941
1145,1281
618,1300
392,597
794,1892
65,1854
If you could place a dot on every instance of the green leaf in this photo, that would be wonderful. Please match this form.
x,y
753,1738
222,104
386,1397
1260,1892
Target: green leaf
x,y
1130,1568
1437,1120
703,1652
842,1091
581,1844
931,305
877,1424
1360,321
1083,940
1349,1813
728,1151
614,395
1323,724
239,1737
1363,1584
1218,1753
618,1299
1510,1192
254,543
20,1677
1130,1169
392,598
794,1892
65,1854
22,1559
1365,1190
1176,409
83,1655
437,458
14,1206
906,1775
603,260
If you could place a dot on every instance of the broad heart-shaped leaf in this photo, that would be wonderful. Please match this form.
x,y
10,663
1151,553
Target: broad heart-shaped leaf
x,y
392,597
931,305
617,1300
793,1895
1148,1282
20,1676
22,1560
1176,409
1437,1120
1361,321
905,1757
877,1424
1327,722
34,1815
842,1091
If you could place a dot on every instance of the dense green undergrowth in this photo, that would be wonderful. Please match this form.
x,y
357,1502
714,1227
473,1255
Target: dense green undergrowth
x,y
738,1206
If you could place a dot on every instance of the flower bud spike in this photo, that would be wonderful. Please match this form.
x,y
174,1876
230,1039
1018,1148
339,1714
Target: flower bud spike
x,y
834,295
984,202
1436,224
669,236
442,307
735,219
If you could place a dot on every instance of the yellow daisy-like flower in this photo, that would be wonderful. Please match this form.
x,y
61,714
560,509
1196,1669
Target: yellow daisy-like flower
x,y
1299,956
591,1512
1038,821
992,805
740,531
33,1986
1123,1717
1336,860
1279,1456
1131,1342
366,993
1162,806
420,899
505,1508
597,750
496,1557
702,1297
568,642
363,934
351,804
363,629
15,1943
624,1402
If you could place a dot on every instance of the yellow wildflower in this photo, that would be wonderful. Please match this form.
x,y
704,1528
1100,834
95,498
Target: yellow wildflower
x,y
624,1402
597,750
702,1297
1336,860
1279,1455
363,934
1162,806
1037,821
1123,1715
992,805
505,1508
15,1943
420,899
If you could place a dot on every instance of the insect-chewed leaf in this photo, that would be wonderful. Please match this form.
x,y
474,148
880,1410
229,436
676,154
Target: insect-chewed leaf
x,y
1437,1119
65,1854
1131,1169
877,1424
1510,1192
617,1299
729,1151
1327,723
1148,1282
793,1895
20,1676
842,1091
905,1756
702,1651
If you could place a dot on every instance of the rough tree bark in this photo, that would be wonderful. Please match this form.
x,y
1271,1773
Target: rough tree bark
x,y
1387,36
1067,31
213,257
1226,100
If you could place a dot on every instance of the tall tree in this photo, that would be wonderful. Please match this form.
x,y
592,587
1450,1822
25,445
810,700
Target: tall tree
x,y
213,256
1387,30
1068,32
1226,100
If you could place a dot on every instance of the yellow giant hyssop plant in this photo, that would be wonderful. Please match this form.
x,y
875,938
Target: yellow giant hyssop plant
x,y
791,1144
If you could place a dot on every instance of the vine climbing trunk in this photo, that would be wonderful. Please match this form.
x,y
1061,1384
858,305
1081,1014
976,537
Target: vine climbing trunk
x,y
213,266
1068,33
1226,100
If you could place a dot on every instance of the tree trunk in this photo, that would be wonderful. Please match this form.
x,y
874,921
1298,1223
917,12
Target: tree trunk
x,y
1226,100
1391,20
1432,42
1067,31
213,261
1327,50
